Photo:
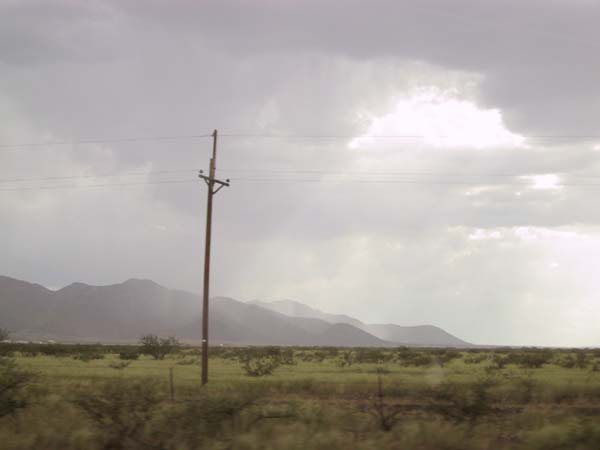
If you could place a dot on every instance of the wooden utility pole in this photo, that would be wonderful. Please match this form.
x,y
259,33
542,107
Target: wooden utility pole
x,y
211,181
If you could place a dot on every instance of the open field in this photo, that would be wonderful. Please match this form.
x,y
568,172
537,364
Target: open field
x,y
97,397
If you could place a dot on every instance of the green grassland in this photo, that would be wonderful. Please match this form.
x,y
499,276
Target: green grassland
x,y
96,397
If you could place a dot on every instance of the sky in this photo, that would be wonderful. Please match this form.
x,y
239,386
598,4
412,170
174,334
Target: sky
x,y
415,162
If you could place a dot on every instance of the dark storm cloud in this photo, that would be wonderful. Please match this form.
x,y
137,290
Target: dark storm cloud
x,y
536,56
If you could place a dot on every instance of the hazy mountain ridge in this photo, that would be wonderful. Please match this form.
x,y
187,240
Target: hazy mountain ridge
x,y
123,312
296,309
420,335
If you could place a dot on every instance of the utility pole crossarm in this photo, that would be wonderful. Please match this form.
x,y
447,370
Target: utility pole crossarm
x,y
208,181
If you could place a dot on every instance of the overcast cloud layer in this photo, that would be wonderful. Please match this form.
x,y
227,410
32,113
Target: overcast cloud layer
x,y
483,222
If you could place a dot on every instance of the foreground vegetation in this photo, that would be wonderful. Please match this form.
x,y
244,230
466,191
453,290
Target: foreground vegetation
x,y
127,397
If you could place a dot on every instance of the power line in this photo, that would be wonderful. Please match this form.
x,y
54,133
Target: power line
x,y
337,176
307,180
421,182
394,136
58,187
74,177
31,145
395,173
302,172
103,141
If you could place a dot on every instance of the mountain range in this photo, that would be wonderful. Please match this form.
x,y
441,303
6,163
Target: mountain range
x,y
124,312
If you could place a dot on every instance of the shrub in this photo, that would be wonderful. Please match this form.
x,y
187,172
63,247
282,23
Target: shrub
x,y
567,362
260,361
319,356
119,365
572,435
524,386
158,347
443,357
258,366
187,362
530,359
345,358
385,415
88,356
212,419
581,360
476,359
460,402
410,357
121,411
422,361
12,382
129,355
371,355
499,361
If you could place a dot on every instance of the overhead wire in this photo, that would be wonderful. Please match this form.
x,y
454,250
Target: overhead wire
x,y
482,183
309,172
30,145
113,175
392,136
394,173
419,182
15,147
58,187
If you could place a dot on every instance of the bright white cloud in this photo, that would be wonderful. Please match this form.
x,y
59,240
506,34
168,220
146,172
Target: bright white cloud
x,y
546,181
440,119
481,234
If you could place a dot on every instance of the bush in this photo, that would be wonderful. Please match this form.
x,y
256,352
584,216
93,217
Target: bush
x,y
260,361
385,415
213,420
88,356
443,357
119,365
476,359
530,359
121,410
158,347
316,356
571,435
581,360
187,362
12,382
212,417
129,355
345,358
499,361
371,355
460,402
410,357
258,366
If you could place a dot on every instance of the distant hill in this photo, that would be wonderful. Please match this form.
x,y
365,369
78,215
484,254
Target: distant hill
x,y
296,309
124,312
79,311
420,335
252,324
